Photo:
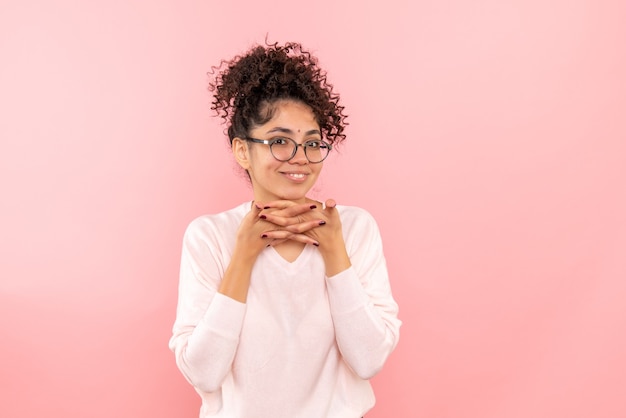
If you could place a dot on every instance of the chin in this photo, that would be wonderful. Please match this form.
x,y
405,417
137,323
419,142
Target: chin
x,y
293,196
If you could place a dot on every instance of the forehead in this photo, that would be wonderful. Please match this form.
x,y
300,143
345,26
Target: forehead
x,y
292,115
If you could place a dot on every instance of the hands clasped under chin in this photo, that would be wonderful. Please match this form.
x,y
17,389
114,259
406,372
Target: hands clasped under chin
x,y
306,223
272,223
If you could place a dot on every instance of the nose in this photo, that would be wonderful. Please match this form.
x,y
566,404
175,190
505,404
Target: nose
x,y
299,157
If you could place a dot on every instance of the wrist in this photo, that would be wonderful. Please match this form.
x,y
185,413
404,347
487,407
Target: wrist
x,y
336,259
246,255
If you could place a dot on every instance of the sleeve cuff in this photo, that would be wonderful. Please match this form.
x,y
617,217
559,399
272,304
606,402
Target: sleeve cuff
x,y
225,316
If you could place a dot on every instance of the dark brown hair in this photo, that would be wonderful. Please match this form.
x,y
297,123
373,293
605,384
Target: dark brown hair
x,y
246,88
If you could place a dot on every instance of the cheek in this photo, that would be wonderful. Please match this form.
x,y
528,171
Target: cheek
x,y
262,163
317,168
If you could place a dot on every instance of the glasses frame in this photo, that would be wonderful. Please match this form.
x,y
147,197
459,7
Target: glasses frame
x,y
272,141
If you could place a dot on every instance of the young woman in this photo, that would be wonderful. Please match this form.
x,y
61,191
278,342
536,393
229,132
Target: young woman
x,y
284,307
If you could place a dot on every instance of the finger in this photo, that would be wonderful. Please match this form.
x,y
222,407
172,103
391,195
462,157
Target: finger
x,y
283,235
275,242
295,237
304,239
276,234
302,227
253,215
288,209
289,216
278,204
331,203
283,221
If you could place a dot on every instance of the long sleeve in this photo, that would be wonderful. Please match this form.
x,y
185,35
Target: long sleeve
x,y
362,307
208,324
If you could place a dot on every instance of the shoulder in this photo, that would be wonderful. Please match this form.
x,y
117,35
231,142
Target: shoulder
x,y
354,213
361,234
354,218
216,225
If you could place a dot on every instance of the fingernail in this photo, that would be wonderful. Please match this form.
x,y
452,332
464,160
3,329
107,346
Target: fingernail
x,y
264,236
313,206
317,244
322,222
263,217
266,207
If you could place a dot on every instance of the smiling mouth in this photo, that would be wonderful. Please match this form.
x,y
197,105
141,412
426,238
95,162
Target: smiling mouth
x,y
296,176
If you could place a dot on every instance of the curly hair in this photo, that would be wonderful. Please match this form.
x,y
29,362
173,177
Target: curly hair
x,y
246,87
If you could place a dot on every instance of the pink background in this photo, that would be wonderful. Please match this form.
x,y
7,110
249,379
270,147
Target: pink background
x,y
487,137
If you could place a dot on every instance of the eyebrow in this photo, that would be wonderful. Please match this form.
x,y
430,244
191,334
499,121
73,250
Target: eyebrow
x,y
290,132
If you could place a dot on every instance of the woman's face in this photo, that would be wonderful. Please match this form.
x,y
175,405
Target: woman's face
x,y
273,179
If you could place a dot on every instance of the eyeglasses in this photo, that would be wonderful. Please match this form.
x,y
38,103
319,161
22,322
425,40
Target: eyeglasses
x,y
284,149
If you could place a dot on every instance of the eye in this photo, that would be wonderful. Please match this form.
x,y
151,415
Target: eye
x,y
314,144
280,141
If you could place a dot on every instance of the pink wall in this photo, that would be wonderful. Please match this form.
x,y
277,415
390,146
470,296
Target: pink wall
x,y
487,137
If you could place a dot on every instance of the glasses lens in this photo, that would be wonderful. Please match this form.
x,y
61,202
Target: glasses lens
x,y
283,148
316,151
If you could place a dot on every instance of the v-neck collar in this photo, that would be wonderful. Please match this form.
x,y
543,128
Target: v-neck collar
x,y
304,256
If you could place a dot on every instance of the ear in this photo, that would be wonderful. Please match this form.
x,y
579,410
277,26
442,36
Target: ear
x,y
241,152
